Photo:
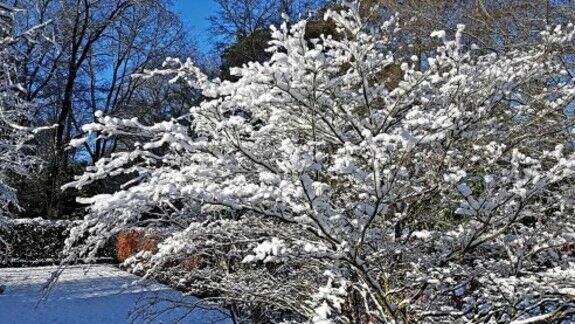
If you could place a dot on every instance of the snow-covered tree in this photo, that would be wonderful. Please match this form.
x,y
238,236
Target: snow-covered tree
x,y
313,189
15,130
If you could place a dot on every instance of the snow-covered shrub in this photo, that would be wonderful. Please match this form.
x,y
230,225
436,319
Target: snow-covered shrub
x,y
310,190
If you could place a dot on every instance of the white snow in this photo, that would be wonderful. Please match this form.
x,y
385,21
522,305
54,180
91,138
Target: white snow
x,y
98,294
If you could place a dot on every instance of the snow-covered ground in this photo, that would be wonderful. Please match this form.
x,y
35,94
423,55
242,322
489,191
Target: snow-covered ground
x,y
98,294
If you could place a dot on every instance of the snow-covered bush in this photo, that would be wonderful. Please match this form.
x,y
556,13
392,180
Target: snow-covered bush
x,y
309,189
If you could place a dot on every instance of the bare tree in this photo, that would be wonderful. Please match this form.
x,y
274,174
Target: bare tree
x,y
494,26
86,66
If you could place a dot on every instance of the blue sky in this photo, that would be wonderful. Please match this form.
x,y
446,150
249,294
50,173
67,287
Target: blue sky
x,y
194,13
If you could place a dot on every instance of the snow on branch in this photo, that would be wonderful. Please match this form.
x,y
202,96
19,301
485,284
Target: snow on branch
x,y
313,190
